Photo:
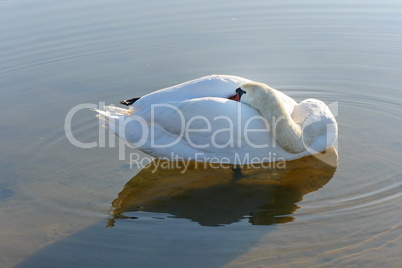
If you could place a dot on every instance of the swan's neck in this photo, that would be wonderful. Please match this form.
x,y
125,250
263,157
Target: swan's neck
x,y
284,130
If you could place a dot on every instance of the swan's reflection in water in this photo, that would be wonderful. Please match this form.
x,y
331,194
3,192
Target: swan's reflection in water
x,y
214,195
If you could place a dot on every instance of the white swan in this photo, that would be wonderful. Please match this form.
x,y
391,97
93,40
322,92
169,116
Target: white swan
x,y
199,120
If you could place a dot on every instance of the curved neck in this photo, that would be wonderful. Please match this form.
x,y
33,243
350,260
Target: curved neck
x,y
284,130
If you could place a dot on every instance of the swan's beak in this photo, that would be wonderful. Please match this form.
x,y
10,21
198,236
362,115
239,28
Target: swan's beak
x,y
237,97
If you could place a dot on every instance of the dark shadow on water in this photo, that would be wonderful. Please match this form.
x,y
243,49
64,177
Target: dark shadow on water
x,y
207,197
215,195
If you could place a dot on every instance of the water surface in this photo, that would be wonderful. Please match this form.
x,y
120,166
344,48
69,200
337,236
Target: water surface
x,y
56,199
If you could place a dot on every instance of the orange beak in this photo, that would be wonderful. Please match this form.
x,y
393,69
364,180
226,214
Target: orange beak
x,y
235,97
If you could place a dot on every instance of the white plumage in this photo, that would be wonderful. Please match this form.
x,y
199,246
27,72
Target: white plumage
x,y
195,120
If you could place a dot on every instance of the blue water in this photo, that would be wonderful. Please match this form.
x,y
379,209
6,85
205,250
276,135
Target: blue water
x,y
56,199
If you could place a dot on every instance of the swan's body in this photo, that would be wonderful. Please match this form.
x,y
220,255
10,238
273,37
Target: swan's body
x,y
196,121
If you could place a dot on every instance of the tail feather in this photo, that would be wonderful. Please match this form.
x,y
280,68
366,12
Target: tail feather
x,y
112,117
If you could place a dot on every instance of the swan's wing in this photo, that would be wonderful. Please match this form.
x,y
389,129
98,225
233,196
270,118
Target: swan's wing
x,y
198,119
221,86
210,127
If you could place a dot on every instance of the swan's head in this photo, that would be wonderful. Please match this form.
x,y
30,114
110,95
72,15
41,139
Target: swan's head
x,y
253,94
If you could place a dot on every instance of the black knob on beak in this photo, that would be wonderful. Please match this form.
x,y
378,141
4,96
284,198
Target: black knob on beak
x,y
240,92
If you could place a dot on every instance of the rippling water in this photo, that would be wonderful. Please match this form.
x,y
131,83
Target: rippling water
x,y
56,199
